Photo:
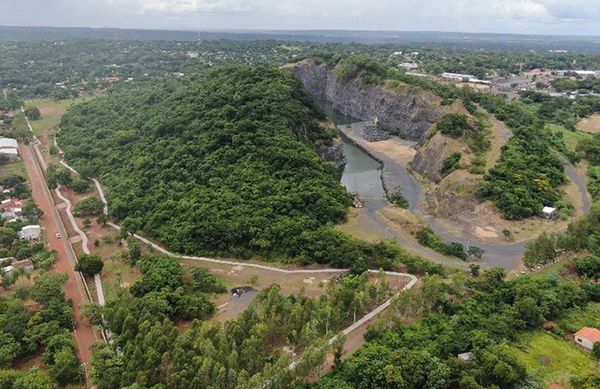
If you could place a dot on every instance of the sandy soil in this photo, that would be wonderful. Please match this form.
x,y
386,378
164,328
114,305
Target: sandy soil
x,y
402,151
261,279
590,124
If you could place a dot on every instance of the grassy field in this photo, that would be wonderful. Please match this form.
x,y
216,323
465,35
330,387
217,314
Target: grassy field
x,y
52,112
553,360
13,168
571,138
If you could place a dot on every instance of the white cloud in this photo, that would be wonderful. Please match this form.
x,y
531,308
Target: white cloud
x,y
525,9
526,16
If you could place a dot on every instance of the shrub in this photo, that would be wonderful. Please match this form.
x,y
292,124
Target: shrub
x,y
33,113
453,124
89,264
80,185
450,164
588,267
427,237
89,206
540,251
398,199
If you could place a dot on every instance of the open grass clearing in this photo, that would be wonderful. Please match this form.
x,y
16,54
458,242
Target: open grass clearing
x,y
16,168
571,138
52,112
553,360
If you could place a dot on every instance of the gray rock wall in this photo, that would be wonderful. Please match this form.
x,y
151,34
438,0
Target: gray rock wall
x,y
333,153
412,114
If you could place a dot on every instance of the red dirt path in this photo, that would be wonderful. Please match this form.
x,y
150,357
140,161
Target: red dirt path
x,y
74,290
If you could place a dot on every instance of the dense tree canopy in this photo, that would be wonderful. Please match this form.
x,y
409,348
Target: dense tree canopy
x,y
485,318
224,163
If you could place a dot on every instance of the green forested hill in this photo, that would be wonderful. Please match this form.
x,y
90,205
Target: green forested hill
x,y
211,164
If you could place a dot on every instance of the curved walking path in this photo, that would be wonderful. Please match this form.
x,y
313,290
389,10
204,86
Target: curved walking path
x,y
362,321
84,239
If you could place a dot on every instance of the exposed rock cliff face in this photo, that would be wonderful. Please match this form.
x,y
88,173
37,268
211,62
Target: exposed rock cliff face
x,y
430,157
454,197
333,153
410,113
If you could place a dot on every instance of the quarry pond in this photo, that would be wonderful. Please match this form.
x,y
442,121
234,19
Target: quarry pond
x,y
362,175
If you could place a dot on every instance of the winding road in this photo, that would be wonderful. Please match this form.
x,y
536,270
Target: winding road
x,y
505,255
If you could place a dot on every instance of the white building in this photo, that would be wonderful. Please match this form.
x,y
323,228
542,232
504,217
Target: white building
x,y
32,232
587,337
409,66
463,78
549,212
465,356
579,73
9,148
8,143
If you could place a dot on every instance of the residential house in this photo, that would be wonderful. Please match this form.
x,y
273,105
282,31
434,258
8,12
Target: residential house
x,y
32,232
587,337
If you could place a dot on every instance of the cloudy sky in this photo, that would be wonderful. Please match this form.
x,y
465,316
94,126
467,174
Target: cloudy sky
x,y
515,16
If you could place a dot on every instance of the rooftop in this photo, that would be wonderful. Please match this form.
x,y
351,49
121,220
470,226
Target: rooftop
x,y
592,334
8,142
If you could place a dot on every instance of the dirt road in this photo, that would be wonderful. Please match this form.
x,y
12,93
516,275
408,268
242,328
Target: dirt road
x,y
74,289
395,174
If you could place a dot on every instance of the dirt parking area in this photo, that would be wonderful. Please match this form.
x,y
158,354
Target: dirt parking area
x,y
311,285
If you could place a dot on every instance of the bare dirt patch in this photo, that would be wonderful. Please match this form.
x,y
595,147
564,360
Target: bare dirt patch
x,y
400,150
590,124
361,225
25,364
485,232
50,110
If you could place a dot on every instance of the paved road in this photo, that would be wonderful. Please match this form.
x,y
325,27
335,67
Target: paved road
x,y
74,289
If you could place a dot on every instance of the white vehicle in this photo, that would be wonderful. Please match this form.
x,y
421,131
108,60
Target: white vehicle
x,y
58,235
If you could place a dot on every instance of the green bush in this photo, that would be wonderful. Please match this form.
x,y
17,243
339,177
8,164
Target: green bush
x,y
540,251
89,264
398,199
427,237
90,206
450,164
453,124
33,113
588,267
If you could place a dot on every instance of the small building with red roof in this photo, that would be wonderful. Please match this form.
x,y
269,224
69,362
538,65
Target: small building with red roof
x,y
587,336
